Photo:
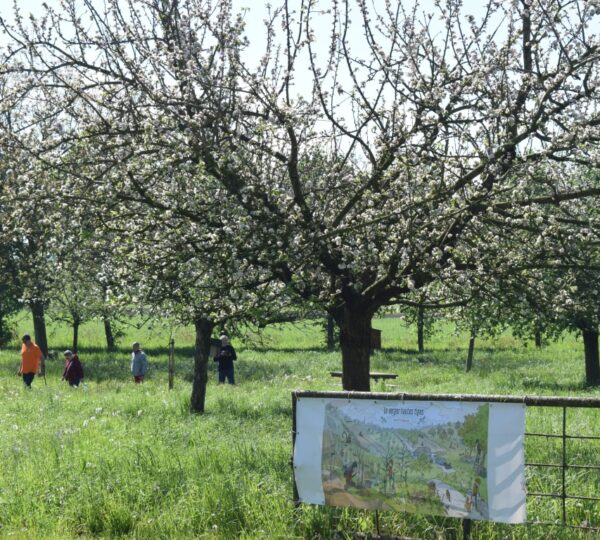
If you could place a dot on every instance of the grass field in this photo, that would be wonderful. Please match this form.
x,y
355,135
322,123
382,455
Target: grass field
x,y
118,460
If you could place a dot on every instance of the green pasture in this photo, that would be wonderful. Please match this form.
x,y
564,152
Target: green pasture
x,y
114,459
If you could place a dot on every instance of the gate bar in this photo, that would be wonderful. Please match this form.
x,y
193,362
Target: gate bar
x,y
540,401
550,435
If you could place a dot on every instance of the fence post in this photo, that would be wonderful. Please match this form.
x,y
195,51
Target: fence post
x,y
294,433
171,362
466,529
564,466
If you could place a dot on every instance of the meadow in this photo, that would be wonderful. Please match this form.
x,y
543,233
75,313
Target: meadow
x,y
113,459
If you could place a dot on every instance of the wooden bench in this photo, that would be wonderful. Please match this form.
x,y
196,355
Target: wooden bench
x,y
374,375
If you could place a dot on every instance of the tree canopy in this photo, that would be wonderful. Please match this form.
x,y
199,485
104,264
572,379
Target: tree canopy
x,y
397,150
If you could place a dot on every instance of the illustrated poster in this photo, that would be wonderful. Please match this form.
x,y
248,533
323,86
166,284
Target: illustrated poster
x,y
450,458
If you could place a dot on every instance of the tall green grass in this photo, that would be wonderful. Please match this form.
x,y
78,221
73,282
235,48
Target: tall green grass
x,y
114,459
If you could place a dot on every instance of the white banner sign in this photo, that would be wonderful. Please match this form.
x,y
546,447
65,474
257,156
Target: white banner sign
x,y
451,458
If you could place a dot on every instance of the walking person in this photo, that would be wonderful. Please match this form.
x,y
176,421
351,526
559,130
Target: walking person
x,y
139,363
31,359
475,491
349,474
73,372
390,481
225,357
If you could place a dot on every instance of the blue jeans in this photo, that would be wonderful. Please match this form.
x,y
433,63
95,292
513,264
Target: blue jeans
x,y
226,373
28,378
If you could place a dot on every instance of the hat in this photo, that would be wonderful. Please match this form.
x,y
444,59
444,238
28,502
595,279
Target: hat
x,y
68,353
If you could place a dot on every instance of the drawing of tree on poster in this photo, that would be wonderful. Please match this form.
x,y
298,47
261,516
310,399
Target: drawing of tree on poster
x,y
427,459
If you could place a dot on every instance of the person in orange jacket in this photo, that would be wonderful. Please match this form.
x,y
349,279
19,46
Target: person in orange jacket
x,y
31,358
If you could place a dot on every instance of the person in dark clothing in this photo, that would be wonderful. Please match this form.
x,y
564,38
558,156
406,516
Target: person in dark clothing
x,y
349,474
226,356
73,372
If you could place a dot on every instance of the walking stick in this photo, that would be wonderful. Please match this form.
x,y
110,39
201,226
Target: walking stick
x,y
171,362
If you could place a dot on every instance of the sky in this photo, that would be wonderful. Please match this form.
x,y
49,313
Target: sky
x,y
255,12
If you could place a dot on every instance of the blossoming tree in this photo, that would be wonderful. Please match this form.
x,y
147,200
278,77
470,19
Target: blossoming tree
x,y
369,152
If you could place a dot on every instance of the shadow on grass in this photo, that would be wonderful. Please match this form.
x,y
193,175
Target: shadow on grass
x,y
391,358
537,384
258,370
242,410
122,351
116,367
292,350
444,350
401,350
267,365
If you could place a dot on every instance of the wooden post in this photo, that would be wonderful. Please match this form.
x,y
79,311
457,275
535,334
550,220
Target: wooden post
x,y
466,529
469,362
296,495
421,328
330,333
171,362
564,466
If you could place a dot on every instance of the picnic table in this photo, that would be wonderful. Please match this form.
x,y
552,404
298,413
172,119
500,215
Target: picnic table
x,y
375,375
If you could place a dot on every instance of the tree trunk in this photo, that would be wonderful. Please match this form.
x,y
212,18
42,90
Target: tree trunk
x,y
330,333
354,322
420,328
538,339
76,324
110,338
39,326
204,329
592,362
469,362
4,332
